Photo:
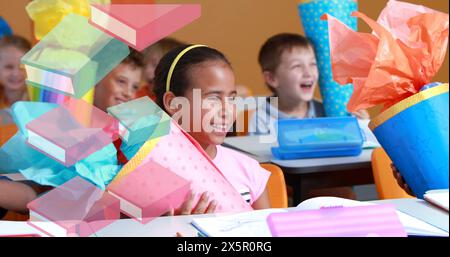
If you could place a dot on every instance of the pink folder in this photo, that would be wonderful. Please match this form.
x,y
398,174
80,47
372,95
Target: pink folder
x,y
150,191
140,25
71,206
360,221
182,155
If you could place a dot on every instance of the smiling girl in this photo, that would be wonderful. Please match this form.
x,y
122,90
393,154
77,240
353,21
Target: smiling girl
x,y
12,76
203,76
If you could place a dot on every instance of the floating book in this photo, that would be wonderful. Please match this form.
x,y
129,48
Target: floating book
x,y
73,57
67,209
138,119
359,221
140,25
71,132
149,191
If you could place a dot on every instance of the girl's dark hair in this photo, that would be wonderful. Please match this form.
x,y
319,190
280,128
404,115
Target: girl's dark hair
x,y
181,78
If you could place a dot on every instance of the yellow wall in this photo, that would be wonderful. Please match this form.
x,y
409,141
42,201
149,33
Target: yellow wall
x,y
236,27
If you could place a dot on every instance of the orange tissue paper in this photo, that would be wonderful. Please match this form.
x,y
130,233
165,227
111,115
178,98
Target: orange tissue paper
x,y
402,54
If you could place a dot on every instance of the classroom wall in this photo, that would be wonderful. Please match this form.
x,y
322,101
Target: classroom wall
x,y
14,13
238,28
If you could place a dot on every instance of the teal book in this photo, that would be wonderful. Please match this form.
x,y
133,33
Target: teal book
x,y
138,120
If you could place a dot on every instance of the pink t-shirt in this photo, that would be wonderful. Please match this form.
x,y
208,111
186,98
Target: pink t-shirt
x,y
244,173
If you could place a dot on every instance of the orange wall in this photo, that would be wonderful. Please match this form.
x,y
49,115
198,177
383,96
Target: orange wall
x,y
236,27
14,13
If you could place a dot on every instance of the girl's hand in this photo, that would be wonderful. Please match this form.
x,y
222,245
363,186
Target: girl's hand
x,y
203,206
362,114
400,181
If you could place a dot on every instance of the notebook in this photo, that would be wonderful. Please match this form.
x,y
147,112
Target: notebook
x,y
73,57
140,25
67,209
149,191
438,198
245,224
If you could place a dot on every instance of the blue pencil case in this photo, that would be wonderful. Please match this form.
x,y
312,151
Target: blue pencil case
x,y
318,137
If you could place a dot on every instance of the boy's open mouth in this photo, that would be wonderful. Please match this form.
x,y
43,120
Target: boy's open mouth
x,y
307,85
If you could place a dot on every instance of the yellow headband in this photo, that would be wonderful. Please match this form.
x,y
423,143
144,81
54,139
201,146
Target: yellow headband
x,y
174,63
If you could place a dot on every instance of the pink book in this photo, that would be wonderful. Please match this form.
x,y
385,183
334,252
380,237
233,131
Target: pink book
x,y
149,191
72,131
360,221
140,25
180,153
67,209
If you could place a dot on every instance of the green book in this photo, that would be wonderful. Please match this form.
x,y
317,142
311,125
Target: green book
x,y
73,57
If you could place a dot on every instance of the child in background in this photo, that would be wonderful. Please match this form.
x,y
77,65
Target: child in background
x,y
152,56
121,84
290,71
289,67
12,76
13,195
206,69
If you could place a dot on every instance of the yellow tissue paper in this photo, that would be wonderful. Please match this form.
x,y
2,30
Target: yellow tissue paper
x,y
46,14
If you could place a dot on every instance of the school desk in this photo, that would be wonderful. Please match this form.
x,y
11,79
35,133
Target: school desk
x,y
422,210
306,174
169,226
